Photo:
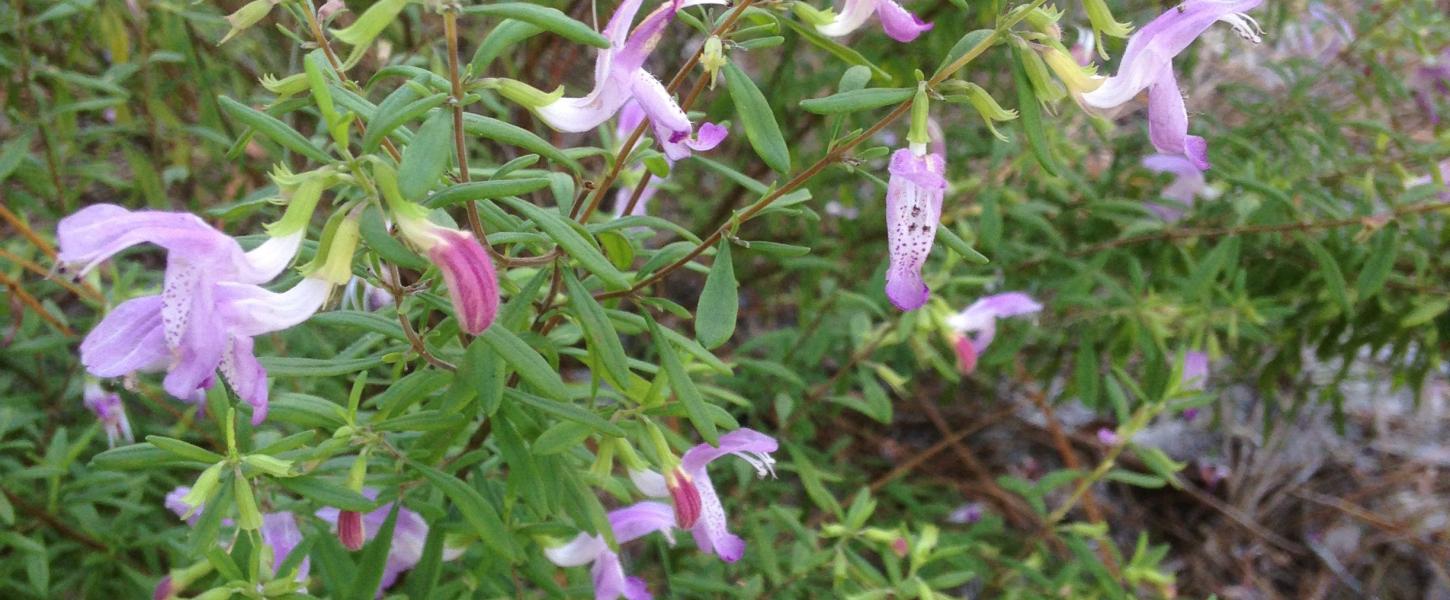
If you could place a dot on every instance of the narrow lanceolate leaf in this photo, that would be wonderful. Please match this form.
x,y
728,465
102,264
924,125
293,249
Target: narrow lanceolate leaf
x,y
1329,270
1031,113
372,22
526,361
857,100
513,135
960,246
388,119
184,450
565,410
683,386
481,190
426,157
973,41
134,457
760,126
550,19
326,493
603,340
289,366
274,129
719,301
1381,262
507,34
840,51
474,508
573,242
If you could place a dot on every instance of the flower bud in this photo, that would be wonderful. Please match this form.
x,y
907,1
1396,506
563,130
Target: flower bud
x,y
1107,437
1103,22
1078,79
523,93
270,465
164,590
712,58
248,517
1044,19
286,86
202,489
247,16
350,530
966,354
686,498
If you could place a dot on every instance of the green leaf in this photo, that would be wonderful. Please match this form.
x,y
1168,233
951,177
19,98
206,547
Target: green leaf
x,y
835,48
390,117
426,156
603,340
374,558
562,436
274,129
326,493
1329,270
759,121
375,234
527,362
504,36
857,100
565,410
371,23
484,371
550,19
960,246
480,515
1142,480
684,387
1031,113
964,45
479,190
719,305
1381,263
287,366
356,319
1425,312
306,410
573,242
183,449
514,135
427,420
135,457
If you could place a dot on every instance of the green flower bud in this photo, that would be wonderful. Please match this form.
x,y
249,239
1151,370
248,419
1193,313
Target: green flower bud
x,y
270,465
247,16
202,489
523,93
712,58
248,517
286,86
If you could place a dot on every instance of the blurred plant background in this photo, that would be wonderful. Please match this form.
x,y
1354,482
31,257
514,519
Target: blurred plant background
x,y
1071,463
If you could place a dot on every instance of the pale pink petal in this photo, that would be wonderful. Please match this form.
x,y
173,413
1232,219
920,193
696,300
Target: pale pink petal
x,y
899,24
913,209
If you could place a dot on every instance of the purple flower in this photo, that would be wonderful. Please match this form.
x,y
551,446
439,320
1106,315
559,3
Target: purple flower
x,y
1148,63
279,531
711,530
209,308
110,412
899,24
966,514
1319,37
629,524
1188,183
619,75
1107,437
467,269
977,325
410,532
629,118
1195,370
913,209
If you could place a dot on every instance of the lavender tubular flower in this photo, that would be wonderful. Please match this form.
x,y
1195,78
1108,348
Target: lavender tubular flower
x,y
900,25
210,305
110,412
629,524
619,76
1187,186
913,208
1148,64
976,326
